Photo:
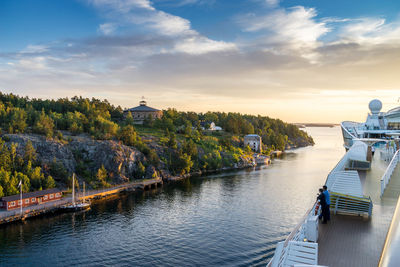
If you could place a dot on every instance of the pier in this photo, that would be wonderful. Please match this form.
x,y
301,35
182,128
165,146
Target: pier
x,y
54,206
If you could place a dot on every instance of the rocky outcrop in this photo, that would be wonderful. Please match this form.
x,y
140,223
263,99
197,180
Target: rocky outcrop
x,y
119,160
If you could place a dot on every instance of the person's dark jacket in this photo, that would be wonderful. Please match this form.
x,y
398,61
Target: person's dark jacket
x,y
322,200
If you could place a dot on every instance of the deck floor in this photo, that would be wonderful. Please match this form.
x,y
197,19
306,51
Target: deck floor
x,y
356,240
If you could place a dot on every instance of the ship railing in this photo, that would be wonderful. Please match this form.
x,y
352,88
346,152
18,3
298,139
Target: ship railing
x,y
389,171
297,243
353,125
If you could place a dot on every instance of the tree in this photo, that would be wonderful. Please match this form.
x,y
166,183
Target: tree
x,y
129,119
49,182
30,152
190,148
172,141
44,125
140,170
101,177
180,163
127,135
37,178
26,184
13,154
17,120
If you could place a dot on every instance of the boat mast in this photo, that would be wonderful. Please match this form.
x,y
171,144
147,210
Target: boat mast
x,y
73,189
83,191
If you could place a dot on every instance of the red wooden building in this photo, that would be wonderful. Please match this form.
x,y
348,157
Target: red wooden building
x,y
31,198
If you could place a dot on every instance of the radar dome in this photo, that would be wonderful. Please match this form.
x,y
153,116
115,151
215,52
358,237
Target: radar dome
x,y
375,106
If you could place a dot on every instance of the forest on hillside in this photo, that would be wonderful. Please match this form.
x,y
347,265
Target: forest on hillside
x,y
177,140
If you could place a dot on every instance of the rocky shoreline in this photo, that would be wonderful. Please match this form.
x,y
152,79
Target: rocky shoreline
x,y
121,161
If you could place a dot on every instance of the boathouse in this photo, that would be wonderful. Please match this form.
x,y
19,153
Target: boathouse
x,y
253,141
30,198
141,112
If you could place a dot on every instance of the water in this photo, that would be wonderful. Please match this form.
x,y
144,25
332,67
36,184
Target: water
x,y
228,219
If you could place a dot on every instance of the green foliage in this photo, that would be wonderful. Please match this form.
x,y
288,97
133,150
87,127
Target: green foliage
x,y
103,128
172,141
180,163
127,135
44,125
212,161
30,152
58,170
16,168
140,170
190,148
17,120
101,177
49,182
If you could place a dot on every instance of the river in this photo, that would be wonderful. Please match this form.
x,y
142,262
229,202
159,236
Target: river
x,y
227,219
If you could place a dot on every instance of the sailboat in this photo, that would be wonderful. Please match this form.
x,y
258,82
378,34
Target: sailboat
x,y
77,205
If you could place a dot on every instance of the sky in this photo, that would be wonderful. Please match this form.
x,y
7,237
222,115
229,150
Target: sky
x,y
300,61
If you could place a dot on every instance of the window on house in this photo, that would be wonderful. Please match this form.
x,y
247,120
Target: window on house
x,y
45,197
51,196
27,201
58,194
33,199
19,202
12,204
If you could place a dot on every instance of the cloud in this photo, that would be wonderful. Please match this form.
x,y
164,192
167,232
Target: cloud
x,y
135,12
280,54
272,3
107,28
294,28
34,49
122,6
197,45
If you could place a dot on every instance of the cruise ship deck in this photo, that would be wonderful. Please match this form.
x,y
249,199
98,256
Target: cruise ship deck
x,y
349,240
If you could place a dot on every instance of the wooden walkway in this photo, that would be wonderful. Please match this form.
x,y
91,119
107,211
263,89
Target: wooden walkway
x,y
51,206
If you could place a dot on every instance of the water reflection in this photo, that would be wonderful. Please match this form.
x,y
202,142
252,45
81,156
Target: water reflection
x,y
228,219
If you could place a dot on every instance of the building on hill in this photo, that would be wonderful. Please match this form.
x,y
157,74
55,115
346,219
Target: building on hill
x,y
30,198
254,142
141,112
207,125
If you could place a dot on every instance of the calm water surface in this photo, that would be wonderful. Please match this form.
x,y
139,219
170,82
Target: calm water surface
x,y
229,219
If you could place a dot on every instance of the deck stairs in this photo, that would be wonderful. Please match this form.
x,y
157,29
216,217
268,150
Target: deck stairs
x,y
345,182
296,253
347,194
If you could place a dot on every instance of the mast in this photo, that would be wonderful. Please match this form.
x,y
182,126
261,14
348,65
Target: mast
x,y
73,189
84,192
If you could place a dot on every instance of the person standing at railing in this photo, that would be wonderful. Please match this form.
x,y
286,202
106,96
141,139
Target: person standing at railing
x,y
328,203
322,201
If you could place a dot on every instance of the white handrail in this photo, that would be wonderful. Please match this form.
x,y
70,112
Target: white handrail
x,y
345,128
389,171
296,235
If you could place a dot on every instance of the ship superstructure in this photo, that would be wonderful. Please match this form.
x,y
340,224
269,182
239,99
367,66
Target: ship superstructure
x,y
364,187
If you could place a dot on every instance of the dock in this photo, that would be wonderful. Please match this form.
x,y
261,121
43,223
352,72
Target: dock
x,y
54,206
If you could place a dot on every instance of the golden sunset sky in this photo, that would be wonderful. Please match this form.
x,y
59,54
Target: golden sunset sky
x,y
300,61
